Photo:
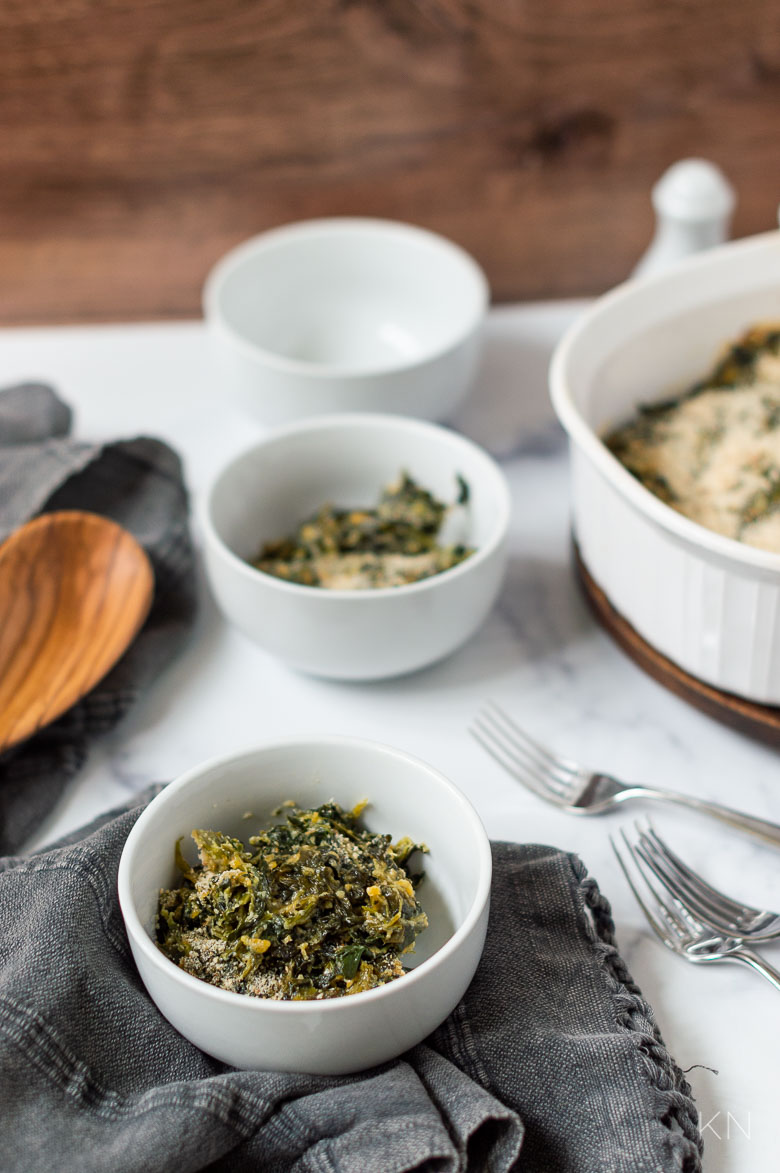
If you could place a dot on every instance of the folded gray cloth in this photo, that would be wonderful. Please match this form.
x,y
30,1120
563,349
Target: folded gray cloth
x,y
137,483
551,1063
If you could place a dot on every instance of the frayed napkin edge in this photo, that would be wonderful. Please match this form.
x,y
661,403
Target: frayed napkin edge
x,y
677,1111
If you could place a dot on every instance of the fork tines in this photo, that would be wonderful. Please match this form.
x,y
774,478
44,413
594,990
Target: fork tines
x,y
710,905
672,920
662,916
532,764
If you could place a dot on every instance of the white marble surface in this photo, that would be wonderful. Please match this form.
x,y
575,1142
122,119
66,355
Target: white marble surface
x,y
540,655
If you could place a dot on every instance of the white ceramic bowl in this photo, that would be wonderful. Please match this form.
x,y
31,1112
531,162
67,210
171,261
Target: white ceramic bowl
x,y
407,797
346,315
710,604
353,635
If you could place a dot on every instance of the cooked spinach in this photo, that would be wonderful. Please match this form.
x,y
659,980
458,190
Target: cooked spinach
x,y
713,453
389,545
313,907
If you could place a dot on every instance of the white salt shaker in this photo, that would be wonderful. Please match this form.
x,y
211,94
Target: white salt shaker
x,y
693,204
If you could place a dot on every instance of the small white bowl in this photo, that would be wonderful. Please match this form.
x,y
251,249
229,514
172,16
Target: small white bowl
x,y
346,314
346,460
708,603
406,797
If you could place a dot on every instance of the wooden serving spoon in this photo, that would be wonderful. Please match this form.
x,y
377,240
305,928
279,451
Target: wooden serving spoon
x,y
75,589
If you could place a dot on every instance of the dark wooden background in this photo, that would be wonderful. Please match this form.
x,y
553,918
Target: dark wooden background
x,y
140,139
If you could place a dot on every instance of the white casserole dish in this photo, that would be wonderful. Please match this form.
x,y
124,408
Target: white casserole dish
x,y
708,603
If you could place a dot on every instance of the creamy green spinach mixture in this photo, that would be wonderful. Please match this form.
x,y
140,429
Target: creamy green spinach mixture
x,y
315,906
713,454
357,549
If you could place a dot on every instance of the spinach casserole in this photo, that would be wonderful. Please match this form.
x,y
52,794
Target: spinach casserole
x,y
313,907
357,549
713,454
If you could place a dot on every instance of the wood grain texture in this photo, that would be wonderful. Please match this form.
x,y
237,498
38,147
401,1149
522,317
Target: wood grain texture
x,y
142,138
756,720
75,590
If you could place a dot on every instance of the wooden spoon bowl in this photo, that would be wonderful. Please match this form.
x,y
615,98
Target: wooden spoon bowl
x,y
75,589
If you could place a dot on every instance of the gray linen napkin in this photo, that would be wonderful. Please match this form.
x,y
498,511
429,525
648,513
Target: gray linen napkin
x,y
550,1064
137,483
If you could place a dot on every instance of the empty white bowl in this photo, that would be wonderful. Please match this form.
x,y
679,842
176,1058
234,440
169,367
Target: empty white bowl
x,y
346,314
346,460
406,797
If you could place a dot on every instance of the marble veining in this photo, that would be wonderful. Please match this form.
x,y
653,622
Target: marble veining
x,y
540,655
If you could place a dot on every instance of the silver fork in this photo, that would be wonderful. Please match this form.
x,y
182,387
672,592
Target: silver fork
x,y
712,907
673,922
570,786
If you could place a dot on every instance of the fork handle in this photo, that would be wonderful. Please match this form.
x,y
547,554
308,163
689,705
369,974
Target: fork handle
x,y
762,828
751,959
